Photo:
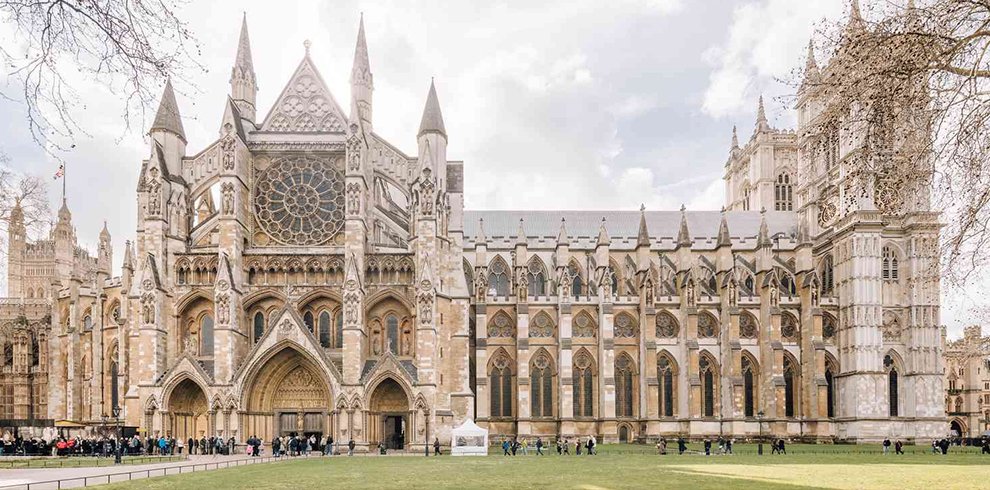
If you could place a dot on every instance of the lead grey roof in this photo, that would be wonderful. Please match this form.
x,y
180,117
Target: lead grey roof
x,y
623,226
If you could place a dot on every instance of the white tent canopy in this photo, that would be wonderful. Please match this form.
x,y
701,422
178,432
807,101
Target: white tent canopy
x,y
469,440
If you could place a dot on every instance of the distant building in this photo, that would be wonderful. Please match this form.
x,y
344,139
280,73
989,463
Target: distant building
x,y
967,383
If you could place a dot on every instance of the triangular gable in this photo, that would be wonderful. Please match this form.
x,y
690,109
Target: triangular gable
x,y
387,365
232,116
305,105
287,325
149,273
189,366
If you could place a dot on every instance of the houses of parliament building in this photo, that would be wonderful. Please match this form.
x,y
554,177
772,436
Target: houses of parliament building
x,y
300,274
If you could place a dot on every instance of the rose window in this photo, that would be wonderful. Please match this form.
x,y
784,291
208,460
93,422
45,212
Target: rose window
x,y
300,200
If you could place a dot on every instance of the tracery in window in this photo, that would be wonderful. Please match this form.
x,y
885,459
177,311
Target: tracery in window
x,y
892,378
325,329
206,336
783,196
748,328
500,385
583,384
791,383
626,327
541,385
708,371
829,327
788,327
667,326
577,284
541,326
299,200
259,326
498,278
828,276
624,385
707,325
501,325
750,374
585,326
537,278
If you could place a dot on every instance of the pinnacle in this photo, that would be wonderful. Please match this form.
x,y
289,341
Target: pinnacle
x,y
643,237
761,117
432,121
361,71
244,59
168,118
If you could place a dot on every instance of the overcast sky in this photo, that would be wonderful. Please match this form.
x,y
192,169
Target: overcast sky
x,y
575,104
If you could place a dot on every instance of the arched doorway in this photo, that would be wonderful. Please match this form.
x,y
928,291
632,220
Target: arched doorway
x,y
187,408
956,428
390,414
288,396
623,434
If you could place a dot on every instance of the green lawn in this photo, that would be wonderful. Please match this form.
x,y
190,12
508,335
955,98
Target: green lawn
x,y
627,466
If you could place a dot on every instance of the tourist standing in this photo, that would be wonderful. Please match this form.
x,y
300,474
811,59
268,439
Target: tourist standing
x,y
886,445
525,447
436,446
708,447
898,447
350,447
577,446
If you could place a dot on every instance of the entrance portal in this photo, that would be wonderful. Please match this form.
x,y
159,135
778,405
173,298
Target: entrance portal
x,y
288,396
390,411
187,408
395,431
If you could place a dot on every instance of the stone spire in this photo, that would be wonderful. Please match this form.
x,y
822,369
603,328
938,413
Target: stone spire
x,y
562,237
810,66
243,81
761,118
723,232
520,234
432,121
643,237
480,237
362,81
603,238
683,235
735,138
855,17
128,255
167,118
104,233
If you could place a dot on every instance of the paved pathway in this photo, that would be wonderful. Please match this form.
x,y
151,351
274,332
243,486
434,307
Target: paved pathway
x,y
21,478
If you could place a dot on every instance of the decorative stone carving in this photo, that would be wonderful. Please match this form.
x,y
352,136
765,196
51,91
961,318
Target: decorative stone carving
x,y
788,327
667,326
828,209
501,326
689,294
223,309
305,106
426,308
299,200
626,327
707,326
733,292
227,146
354,150
747,326
541,326
427,191
227,199
584,327
354,199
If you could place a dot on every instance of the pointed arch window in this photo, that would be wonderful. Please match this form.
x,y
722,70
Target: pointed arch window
x,y
541,386
206,336
537,277
325,330
667,326
8,354
783,195
747,192
828,276
624,386
830,371
541,326
35,350
114,393
707,326
339,342
309,321
892,379
626,327
749,386
889,266
259,326
787,284
392,333
828,327
577,285
88,323
790,386
709,282
707,369
583,385
498,278
500,387
665,377
584,326
789,330
748,328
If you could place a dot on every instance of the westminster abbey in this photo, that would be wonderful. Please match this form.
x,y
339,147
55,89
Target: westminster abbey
x,y
300,274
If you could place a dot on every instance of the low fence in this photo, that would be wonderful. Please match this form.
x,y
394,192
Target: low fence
x,y
20,462
88,481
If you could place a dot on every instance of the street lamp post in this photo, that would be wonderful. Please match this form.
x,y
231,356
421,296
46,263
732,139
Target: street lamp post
x,y
116,434
759,421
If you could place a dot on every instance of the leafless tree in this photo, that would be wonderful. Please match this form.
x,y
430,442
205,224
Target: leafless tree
x,y
31,192
895,69
128,46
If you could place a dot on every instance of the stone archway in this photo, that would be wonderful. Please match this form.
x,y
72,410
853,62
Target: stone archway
x,y
957,428
389,415
287,396
188,411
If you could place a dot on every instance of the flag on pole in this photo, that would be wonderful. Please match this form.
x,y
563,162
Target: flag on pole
x,y
60,172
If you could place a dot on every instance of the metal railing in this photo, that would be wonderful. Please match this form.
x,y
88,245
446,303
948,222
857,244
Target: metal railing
x,y
87,481
81,461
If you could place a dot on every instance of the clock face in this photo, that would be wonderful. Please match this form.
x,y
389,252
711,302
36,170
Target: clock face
x,y
299,200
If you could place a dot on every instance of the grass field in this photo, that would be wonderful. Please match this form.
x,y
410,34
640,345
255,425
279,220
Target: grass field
x,y
625,466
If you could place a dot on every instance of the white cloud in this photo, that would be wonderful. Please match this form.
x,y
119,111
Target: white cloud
x,y
766,41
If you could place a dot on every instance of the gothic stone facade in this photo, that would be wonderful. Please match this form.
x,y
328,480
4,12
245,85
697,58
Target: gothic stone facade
x,y
967,383
301,274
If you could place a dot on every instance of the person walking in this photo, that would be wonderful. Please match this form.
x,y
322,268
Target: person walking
x,y
539,446
780,447
560,449
708,447
898,447
525,447
350,447
577,446
436,446
886,446
681,446
567,447
505,447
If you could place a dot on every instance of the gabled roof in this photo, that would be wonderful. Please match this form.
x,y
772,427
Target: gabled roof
x,y
305,105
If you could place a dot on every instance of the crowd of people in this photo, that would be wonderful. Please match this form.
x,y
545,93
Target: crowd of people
x,y
589,446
